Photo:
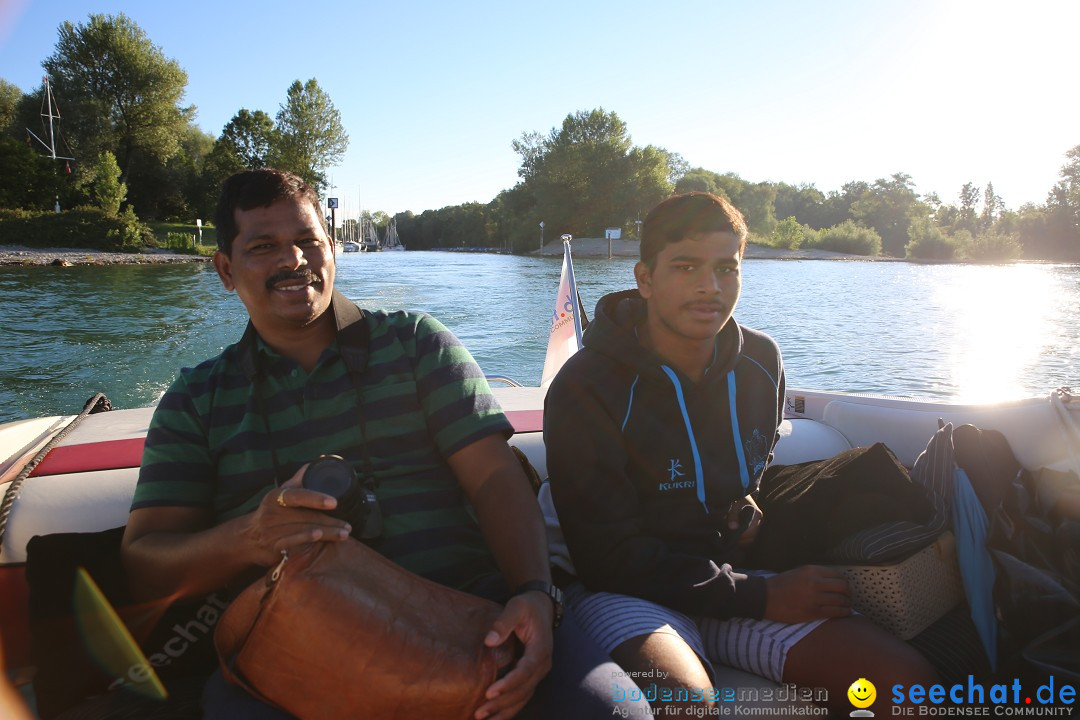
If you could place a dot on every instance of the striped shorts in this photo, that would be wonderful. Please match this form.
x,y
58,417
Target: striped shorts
x,y
754,646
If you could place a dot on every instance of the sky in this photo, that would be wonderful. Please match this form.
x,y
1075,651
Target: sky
x,y
432,94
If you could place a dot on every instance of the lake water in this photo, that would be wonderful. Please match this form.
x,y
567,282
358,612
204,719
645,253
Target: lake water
x,y
972,333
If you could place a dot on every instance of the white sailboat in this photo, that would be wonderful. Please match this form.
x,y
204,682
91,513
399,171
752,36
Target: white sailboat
x,y
393,242
369,238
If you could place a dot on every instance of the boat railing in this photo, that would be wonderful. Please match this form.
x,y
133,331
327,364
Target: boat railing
x,y
509,381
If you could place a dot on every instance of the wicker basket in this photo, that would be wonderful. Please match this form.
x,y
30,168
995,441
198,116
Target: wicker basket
x,y
907,597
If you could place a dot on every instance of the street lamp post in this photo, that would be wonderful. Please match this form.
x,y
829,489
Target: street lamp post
x,y
541,237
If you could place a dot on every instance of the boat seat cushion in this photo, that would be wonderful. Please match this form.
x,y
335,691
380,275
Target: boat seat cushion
x,y
75,502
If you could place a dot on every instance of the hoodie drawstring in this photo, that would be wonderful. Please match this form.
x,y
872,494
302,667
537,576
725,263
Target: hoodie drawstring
x,y
736,436
698,480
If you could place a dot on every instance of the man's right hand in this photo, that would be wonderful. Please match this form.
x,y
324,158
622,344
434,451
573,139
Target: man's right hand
x,y
807,593
289,516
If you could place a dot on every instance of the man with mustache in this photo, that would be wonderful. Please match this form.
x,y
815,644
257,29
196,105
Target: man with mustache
x,y
219,496
657,435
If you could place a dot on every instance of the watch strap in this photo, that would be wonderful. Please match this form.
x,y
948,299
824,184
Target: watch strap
x,y
549,589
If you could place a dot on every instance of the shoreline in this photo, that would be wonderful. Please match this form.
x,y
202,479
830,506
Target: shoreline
x,y
65,257
598,248
16,255
22,255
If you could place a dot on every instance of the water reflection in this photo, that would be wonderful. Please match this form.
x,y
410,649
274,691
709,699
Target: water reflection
x,y
977,333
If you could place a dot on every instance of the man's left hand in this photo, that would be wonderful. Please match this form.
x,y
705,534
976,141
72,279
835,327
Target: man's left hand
x,y
528,616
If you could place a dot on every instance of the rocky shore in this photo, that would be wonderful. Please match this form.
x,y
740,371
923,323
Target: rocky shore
x,y
22,255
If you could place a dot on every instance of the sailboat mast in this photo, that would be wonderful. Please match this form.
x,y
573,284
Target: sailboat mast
x,y
49,105
50,111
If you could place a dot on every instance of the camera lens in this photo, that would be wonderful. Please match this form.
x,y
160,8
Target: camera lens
x,y
330,474
334,476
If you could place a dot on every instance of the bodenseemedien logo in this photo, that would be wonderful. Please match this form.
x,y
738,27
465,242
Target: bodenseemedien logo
x,y
862,695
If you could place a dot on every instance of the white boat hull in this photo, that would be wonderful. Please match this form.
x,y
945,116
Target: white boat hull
x,y
86,483
818,425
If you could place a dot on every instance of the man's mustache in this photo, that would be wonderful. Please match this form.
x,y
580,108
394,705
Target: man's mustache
x,y
304,276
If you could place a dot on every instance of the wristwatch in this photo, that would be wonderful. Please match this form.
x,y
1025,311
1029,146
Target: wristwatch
x,y
554,593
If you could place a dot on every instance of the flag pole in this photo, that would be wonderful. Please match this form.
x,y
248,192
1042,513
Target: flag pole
x,y
573,287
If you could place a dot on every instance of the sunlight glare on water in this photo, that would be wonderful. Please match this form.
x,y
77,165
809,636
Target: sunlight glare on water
x,y
1005,319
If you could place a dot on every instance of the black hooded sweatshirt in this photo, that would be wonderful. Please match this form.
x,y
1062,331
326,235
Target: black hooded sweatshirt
x,y
643,462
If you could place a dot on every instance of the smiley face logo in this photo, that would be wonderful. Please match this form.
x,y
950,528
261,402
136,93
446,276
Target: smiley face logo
x,y
862,693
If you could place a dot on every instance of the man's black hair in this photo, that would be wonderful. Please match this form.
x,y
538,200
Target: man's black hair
x,y
257,188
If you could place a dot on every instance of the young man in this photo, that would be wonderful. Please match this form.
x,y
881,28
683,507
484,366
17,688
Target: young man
x,y
219,495
657,436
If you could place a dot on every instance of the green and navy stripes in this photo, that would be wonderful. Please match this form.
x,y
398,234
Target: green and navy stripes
x,y
420,398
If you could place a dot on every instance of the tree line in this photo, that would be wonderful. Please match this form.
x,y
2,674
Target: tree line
x,y
125,120
139,148
587,175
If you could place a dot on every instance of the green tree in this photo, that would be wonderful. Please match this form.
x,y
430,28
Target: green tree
x,y
1066,194
847,237
246,143
173,190
587,175
969,200
928,241
27,179
119,91
756,201
250,136
676,163
803,202
380,219
699,180
516,220
995,246
651,171
102,179
992,207
1053,232
310,136
10,95
889,207
788,234
838,204
220,163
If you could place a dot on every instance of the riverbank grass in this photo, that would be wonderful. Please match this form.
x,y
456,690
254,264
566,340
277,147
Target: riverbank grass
x,y
183,238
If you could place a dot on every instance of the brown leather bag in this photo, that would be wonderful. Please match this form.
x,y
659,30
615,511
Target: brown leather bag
x,y
336,630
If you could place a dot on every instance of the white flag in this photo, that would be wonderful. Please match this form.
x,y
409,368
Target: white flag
x,y
565,338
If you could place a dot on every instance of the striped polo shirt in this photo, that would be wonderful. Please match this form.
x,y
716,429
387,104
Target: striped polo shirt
x,y
232,428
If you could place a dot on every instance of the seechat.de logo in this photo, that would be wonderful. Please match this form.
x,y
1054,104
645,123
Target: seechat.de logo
x,y
1052,698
